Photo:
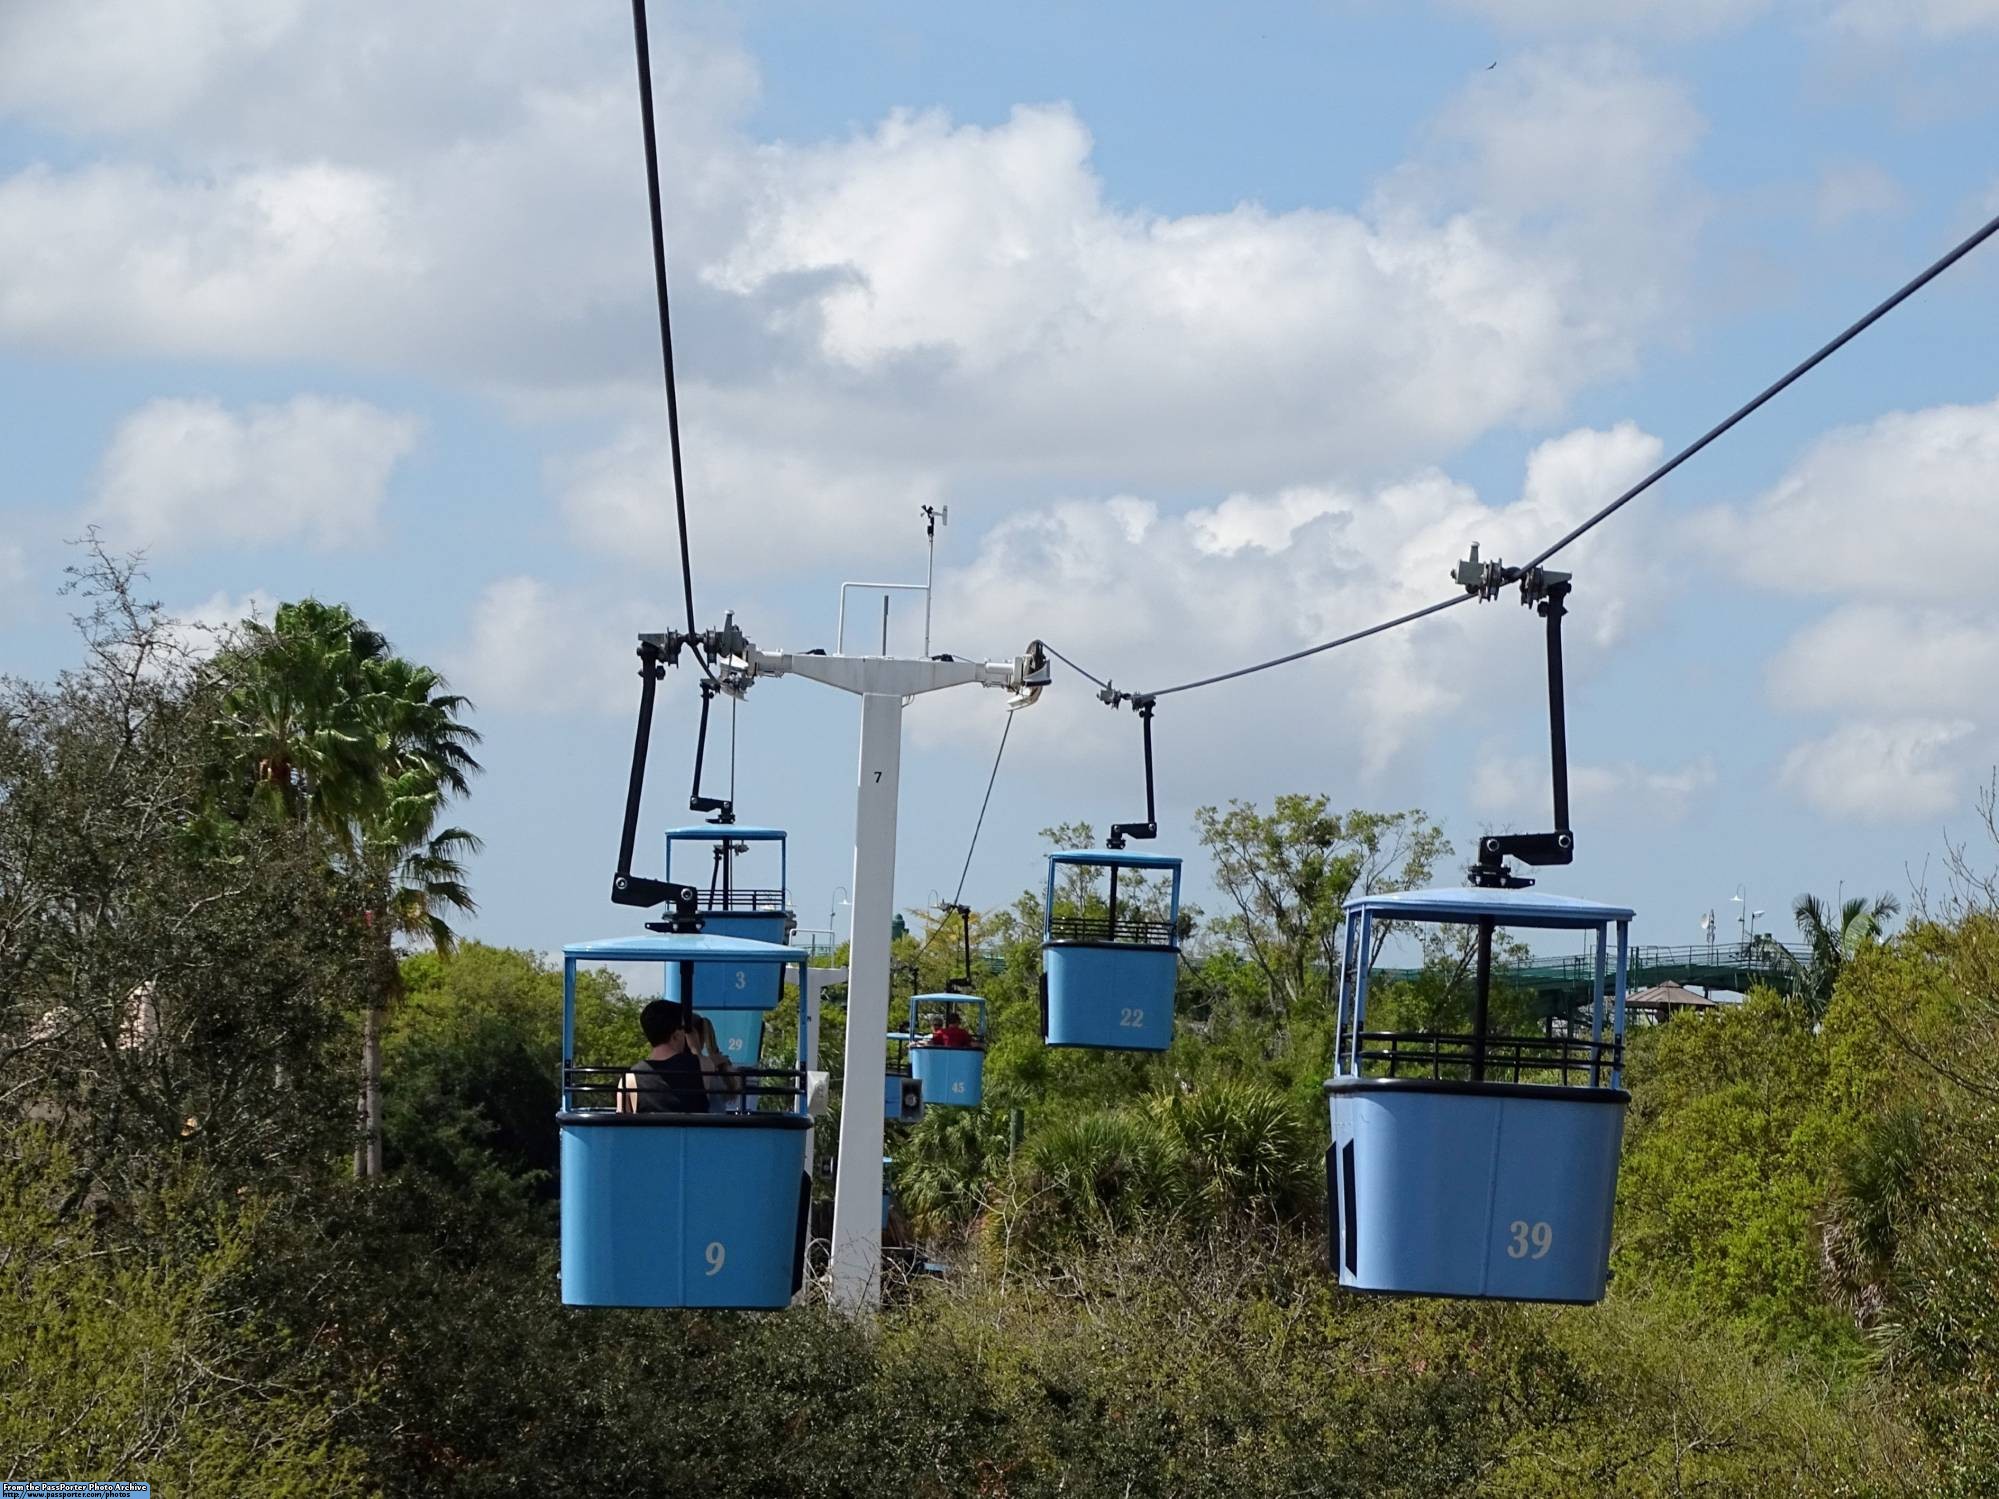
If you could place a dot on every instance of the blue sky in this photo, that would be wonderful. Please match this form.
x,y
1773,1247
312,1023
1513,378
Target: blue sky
x,y
1219,331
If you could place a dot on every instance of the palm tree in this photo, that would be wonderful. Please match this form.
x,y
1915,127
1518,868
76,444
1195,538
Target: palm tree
x,y
414,874
333,728
1831,943
295,716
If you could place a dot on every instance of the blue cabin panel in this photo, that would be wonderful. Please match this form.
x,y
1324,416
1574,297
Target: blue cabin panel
x,y
753,926
1474,1191
1110,997
739,1034
954,1076
747,985
683,1213
902,1098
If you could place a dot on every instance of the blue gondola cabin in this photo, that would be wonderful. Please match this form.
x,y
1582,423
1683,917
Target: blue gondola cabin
x,y
1108,976
950,1067
1475,1164
682,1209
735,998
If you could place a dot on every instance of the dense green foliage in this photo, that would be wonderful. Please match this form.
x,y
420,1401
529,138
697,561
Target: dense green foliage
x,y
196,1288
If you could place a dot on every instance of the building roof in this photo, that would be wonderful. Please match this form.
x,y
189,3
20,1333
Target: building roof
x,y
1505,907
1659,996
676,947
1123,857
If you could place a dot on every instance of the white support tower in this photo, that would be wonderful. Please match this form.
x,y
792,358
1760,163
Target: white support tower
x,y
883,684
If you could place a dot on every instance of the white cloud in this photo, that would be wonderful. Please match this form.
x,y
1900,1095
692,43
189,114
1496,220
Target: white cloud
x,y
1900,507
126,64
535,648
182,472
1156,598
452,193
752,505
1857,190
1893,519
1518,788
1027,322
1882,658
447,188
1881,771
364,79
203,628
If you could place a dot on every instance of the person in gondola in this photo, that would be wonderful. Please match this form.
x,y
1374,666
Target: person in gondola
x,y
724,1082
670,1079
952,1032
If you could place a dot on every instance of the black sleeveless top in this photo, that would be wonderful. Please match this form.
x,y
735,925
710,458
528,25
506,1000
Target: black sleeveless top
x,y
674,1086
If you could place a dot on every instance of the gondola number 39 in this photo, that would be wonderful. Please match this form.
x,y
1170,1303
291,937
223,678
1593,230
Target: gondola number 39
x,y
716,1255
1530,1240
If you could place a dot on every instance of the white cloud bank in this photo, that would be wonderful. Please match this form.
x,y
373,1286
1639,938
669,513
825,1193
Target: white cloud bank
x,y
925,298
1869,771
1154,598
1517,789
536,648
179,473
1893,519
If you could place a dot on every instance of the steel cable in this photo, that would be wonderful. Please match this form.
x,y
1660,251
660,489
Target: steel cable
x,y
1825,351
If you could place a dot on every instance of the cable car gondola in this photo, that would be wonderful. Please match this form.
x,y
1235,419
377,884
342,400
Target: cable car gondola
x,y
951,1073
735,999
951,1076
1476,1165
1482,1165
1107,981
682,1210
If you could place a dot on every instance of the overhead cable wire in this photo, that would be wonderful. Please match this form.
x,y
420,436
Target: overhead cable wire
x,y
966,871
1825,351
1312,650
643,47
1777,387
1075,668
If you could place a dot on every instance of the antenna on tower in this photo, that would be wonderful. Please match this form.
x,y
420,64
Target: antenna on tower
x,y
933,517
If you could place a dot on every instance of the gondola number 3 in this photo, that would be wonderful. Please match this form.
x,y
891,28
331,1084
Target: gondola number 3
x,y
716,1255
1530,1240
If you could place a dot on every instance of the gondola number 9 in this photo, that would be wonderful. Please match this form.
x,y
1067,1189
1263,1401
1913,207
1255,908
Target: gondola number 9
x,y
1131,1017
1530,1240
717,1256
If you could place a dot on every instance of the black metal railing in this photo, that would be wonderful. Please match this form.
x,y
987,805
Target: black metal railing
x,y
1136,930
760,1089
741,900
1569,1061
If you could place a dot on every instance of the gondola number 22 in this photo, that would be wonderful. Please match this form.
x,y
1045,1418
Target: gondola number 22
x,y
1530,1240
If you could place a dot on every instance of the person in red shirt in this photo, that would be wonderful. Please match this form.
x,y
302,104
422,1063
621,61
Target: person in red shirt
x,y
952,1032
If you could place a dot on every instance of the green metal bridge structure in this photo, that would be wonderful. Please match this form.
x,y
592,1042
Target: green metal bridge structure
x,y
1562,985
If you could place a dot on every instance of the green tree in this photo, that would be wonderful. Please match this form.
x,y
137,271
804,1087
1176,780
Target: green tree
x,y
1831,942
1724,1173
328,726
1289,872
171,986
